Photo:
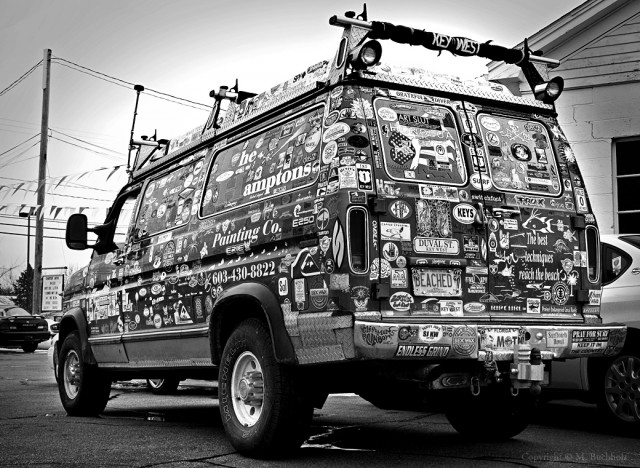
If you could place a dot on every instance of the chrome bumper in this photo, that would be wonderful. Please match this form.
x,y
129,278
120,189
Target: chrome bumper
x,y
486,342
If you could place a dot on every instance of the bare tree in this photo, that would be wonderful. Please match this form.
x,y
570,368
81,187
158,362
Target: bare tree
x,y
7,279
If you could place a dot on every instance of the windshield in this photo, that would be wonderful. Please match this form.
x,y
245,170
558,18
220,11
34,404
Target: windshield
x,y
17,312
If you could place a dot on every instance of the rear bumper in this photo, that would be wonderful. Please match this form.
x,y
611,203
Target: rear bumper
x,y
377,340
18,338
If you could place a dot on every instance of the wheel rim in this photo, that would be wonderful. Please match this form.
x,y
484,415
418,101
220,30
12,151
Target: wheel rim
x,y
155,383
247,389
622,388
72,374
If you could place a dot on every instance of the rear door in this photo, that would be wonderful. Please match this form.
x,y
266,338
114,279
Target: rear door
x,y
427,227
534,253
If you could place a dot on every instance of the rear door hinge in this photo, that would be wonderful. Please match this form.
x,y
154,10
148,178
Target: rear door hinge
x,y
379,205
379,291
578,222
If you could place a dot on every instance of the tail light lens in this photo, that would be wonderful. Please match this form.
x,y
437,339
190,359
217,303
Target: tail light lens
x,y
358,239
593,254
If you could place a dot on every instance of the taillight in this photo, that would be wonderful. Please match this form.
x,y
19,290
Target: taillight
x,y
358,239
593,254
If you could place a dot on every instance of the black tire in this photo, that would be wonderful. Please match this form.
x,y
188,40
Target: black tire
x,y
617,388
494,415
84,390
29,347
264,407
163,386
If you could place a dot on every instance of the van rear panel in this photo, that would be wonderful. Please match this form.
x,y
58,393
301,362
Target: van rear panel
x,y
478,223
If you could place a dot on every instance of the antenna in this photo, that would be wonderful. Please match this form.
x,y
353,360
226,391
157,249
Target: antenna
x,y
138,89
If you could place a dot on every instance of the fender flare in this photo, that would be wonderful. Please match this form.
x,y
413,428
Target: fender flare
x,y
75,320
266,301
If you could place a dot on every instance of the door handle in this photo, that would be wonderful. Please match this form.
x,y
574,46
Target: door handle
x,y
480,218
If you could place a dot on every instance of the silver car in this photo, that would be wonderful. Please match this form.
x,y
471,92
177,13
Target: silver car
x,y
612,383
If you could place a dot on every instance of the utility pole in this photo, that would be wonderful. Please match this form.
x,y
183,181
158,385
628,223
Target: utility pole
x,y
42,174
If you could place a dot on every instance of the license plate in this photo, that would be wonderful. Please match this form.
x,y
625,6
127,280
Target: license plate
x,y
437,282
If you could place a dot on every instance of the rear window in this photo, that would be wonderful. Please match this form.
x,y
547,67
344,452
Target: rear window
x,y
633,240
420,142
614,263
17,312
520,155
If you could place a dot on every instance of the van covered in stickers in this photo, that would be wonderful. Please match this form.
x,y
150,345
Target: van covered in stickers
x,y
418,240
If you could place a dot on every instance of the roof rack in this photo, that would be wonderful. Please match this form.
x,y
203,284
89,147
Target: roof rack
x,y
234,107
358,29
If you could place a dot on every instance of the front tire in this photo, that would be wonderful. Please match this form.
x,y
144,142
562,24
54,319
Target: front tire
x,y
264,409
84,390
29,347
166,386
494,415
618,388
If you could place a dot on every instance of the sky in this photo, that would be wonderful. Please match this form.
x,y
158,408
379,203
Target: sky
x,y
182,49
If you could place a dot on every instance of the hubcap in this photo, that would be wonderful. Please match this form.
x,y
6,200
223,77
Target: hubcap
x,y
622,388
247,389
72,374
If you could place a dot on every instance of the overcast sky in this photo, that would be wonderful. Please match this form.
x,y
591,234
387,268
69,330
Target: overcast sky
x,y
185,49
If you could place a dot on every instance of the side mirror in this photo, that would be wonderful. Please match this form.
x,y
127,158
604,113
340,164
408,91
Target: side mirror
x,y
76,234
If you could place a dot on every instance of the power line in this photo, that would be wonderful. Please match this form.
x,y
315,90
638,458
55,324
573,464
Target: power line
x,y
19,144
24,235
119,82
32,227
71,185
19,80
13,160
63,195
87,142
109,156
49,220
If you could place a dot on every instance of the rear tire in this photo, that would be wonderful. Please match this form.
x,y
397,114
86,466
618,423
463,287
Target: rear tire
x,y
263,405
84,389
166,386
29,347
494,415
617,388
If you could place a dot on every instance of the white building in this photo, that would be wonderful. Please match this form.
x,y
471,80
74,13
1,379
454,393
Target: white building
x,y
598,45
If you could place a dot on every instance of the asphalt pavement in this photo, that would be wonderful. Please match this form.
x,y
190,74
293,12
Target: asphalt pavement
x,y
139,429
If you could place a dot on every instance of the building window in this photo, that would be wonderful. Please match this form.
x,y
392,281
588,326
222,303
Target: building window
x,y
627,174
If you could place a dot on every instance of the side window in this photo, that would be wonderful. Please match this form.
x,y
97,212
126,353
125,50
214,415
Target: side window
x,y
520,155
170,200
279,159
124,220
614,263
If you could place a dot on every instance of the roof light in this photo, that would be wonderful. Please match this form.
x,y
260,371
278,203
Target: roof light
x,y
549,91
368,55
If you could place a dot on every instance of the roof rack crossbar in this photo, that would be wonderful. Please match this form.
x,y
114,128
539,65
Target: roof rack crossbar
x,y
356,30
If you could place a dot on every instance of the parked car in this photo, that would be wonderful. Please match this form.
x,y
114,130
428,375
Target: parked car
x,y
20,329
52,354
612,383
